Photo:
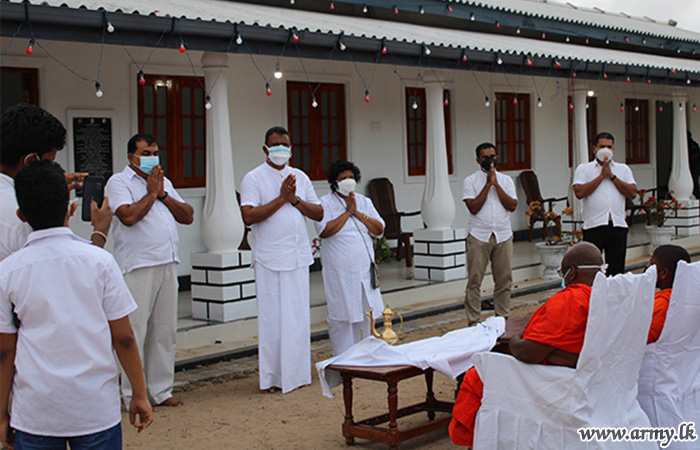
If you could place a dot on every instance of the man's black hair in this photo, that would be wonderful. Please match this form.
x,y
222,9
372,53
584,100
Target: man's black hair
x,y
42,194
26,129
483,146
339,167
131,145
667,256
275,130
603,135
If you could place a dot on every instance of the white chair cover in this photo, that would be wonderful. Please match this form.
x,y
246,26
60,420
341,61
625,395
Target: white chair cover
x,y
669,381
532,406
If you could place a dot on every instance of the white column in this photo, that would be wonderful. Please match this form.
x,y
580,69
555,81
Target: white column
x,y
681,181
222,226
438,205
582,148
439,248
687,220
223,283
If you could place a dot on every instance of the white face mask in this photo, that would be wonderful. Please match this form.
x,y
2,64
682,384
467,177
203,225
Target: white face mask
x,y
347,186
602,153
279,154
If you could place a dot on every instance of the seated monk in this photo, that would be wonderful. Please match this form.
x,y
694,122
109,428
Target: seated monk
x,y
554,335
666,258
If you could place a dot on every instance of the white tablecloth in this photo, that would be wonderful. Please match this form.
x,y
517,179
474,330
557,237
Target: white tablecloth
x,y
449,354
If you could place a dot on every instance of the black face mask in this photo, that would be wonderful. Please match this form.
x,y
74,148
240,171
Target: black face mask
x,y
486,163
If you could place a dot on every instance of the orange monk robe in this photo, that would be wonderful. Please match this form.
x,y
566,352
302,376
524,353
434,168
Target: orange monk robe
x,y
661,300
560,322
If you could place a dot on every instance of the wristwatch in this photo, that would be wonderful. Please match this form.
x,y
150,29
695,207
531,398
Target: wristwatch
x,y
297,202
164,196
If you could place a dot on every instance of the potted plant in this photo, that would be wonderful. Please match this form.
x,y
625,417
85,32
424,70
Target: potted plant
x,y
556,241
657,211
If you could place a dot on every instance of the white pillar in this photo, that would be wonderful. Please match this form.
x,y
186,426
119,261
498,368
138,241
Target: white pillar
x,y
687,220
681,181
222,226
582,148
438,205
223,283
439,248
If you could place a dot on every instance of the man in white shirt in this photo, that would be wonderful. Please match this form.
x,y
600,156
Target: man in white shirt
x,y
147,209
72,306
28,134
275,200
603,185
489,196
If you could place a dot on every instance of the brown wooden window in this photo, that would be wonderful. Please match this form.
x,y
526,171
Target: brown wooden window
x,y
591,126
513,131
416,131
172,110
318,134
18,85
636,131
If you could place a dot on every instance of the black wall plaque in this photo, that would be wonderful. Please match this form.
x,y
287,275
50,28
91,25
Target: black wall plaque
x,y
92,145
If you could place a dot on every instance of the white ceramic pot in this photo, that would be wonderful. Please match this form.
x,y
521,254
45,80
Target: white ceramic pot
x,y
660,235
551,256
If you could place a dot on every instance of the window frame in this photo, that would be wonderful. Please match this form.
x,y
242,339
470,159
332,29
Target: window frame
x,y
419,95
315,116
174,119
506,164
639,120
33,89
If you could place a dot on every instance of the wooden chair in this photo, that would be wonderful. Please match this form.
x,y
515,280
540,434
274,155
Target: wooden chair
x,y
381,192
531,186
631,207
244,245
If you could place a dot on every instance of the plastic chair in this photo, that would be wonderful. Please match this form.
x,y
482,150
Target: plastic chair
x,y
669,381
533,406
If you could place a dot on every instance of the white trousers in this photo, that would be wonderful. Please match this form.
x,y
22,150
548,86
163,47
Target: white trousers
x,y
284,328
344,334
155,328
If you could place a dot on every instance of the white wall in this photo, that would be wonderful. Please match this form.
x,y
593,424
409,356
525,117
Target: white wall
x,y
375,131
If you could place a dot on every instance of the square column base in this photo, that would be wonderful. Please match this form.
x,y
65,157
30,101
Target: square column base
x,y
686,221
223,286
439,255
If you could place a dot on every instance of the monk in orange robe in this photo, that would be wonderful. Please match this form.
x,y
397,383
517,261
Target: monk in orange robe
x,y
554,335
665,258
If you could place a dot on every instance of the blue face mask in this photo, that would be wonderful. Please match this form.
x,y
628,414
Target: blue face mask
x,y
148,163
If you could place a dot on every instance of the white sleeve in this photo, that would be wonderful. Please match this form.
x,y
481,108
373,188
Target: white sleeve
x,y
118,193
309,194
7,324
321,224
250,192
626,174
510,188
580,175
468,191
170,189
117,301
371,211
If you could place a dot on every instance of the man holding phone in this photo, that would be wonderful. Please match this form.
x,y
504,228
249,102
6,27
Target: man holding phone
x,y
29,134
489,196
147,210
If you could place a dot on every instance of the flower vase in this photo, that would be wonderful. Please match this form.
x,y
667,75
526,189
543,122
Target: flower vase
x,y
660,235
551,256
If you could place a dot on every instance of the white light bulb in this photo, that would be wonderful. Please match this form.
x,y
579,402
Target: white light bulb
x,y
341,46
239,39
427,50
680,106
314,103
487,103
591,93
278,74
636,108
414,105
364,9
99,93
499,61
539,102
687,81
110,27
291,2
207,104
588,105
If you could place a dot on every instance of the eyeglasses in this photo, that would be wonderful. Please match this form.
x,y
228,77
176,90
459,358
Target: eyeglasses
x,y
564,271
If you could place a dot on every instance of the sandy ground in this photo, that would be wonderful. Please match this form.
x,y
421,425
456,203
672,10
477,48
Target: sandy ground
x,y
229,412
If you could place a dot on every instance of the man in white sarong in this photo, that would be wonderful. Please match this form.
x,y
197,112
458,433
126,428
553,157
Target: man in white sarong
x,y
275,199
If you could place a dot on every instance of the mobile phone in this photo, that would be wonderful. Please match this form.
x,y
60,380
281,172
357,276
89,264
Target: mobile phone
x,y
93,189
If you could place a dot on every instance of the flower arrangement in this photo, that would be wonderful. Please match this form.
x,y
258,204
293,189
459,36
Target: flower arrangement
x,y
552,224
657,210
316,247
382,251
